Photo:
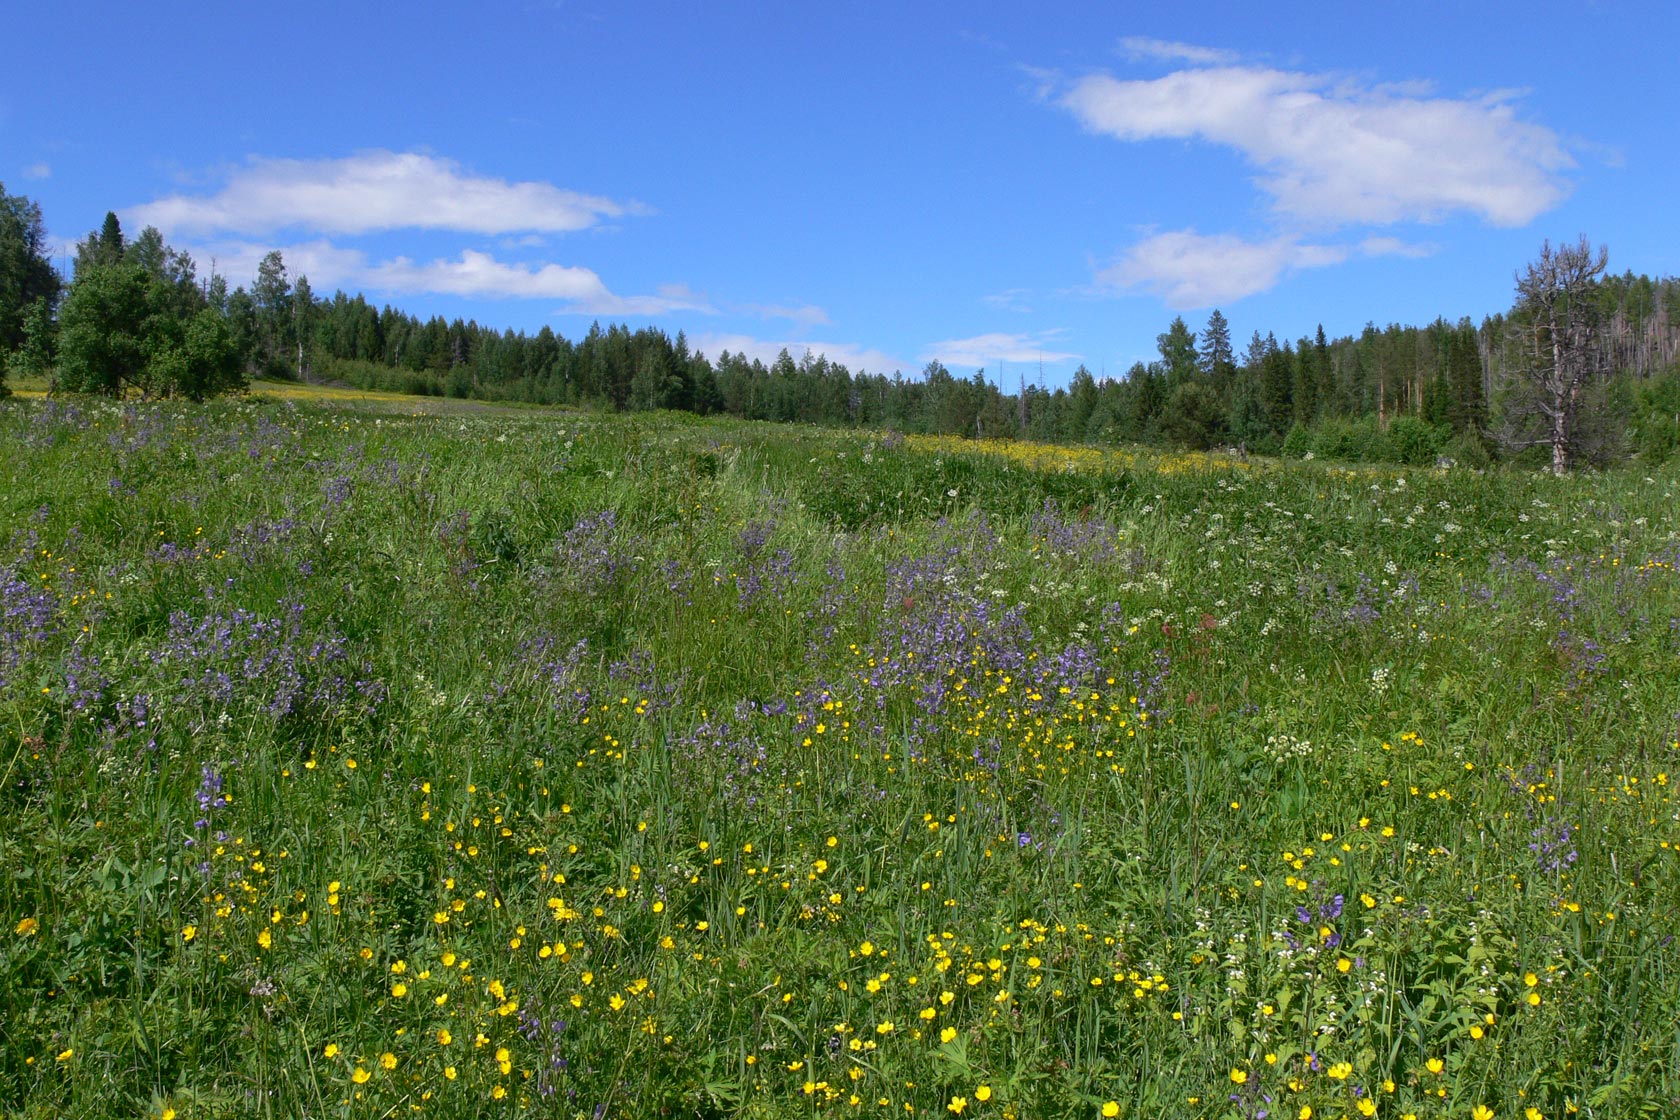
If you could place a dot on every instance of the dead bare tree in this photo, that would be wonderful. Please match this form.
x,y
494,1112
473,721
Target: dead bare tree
x,y
1557,348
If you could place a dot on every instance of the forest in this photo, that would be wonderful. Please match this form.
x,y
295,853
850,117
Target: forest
x,y
135,317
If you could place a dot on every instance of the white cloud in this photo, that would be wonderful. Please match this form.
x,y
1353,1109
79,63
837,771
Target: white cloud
x,y
1394,247
1331,152
1140,47
373,191
473,274
1190,270
42,170
857,359
990,349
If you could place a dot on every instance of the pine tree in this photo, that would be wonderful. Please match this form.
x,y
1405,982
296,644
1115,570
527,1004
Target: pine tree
x,y
1277,385
1178,353
1216,358
104,246
1467,409
1326,371
1305,391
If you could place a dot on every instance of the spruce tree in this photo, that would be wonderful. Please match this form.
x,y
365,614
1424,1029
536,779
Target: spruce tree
x,y
1216,359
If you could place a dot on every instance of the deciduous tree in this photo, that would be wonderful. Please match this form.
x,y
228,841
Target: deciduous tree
x,y
26,273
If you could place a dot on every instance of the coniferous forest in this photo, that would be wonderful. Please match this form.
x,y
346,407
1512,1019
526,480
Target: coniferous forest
x,y
135,317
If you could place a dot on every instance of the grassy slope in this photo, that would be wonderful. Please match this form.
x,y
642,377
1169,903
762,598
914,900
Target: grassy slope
x,y
349,752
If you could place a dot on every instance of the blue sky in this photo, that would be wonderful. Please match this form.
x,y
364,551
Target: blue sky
x,y
977,183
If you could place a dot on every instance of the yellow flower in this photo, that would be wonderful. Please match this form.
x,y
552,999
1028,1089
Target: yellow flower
x,y
1533,999
66,1055
399,989
26,927
1305,1113
1341,1070
444,1037
957,1105
1532,1113
498,1093
1366,1106
361,1076
1239,1077
1111,1109
1481,1112
1435,1065
947,1034
264,939
188,932
983,1092
331,1050
388,1060
449,1072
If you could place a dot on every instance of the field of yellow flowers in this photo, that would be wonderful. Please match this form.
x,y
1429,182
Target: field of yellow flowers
x,y
367,764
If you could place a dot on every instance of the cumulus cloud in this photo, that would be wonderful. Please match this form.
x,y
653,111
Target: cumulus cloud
x,y
856,358
473,274
990,349
41,170
1332,152
477,275
374,191
1191,270
229,230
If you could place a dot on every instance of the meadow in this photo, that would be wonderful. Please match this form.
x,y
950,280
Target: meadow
x,y
484,763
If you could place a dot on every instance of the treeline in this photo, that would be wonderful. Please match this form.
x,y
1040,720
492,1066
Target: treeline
x,y
1399,393
137,318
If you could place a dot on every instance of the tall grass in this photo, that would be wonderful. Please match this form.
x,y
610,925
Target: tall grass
x,y
361,763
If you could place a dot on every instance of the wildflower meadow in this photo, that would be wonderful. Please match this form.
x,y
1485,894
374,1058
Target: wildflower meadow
x,y
359,763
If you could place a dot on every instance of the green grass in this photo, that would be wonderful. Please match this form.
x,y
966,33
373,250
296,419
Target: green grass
x,y
807,773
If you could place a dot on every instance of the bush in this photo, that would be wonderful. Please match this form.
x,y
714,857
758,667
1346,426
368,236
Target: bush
x,y
1297,443
1468,449
1658,435
1336,439
1412,441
